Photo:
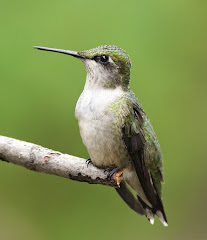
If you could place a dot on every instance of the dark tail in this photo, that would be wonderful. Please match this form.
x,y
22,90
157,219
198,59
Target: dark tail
x,y
130,200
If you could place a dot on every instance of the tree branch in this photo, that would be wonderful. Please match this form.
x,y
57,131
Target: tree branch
x,y
40,159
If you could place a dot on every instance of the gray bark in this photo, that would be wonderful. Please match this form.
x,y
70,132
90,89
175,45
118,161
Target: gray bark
x,y
40,159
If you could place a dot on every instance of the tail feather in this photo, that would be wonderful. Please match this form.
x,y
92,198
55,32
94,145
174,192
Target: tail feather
x,y
139,206
150,216
129,199
151,211
162,219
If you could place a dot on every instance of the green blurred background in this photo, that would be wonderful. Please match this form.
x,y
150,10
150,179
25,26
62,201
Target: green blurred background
x,y
166,41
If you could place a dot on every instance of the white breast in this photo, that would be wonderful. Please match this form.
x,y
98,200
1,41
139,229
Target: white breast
x,y
96,125
93,102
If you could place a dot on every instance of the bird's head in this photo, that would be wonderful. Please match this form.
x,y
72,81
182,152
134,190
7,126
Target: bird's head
x,y
107,66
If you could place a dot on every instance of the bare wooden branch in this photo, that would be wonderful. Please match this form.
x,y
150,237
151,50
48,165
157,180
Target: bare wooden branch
x,y
40,159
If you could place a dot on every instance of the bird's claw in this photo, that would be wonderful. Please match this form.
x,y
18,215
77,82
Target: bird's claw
x,y
111,171
88,161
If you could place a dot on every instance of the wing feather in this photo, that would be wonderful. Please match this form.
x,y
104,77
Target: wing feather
x,y
138,147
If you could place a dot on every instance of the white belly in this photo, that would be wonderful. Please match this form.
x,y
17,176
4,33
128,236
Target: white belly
x,y
104,145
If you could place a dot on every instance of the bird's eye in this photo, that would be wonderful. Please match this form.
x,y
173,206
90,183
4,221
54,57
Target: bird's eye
x,y
104,58
101,59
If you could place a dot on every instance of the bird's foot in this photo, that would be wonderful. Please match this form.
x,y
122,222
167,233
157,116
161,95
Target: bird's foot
x,y
88,161
116,174
111,171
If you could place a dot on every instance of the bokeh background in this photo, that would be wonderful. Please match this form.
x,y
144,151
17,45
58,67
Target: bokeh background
x,y
166,41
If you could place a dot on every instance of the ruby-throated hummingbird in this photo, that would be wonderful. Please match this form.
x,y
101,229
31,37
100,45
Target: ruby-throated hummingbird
x,y
116,131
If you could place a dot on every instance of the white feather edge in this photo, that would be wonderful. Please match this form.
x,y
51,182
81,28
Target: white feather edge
x,y
160,216
152,220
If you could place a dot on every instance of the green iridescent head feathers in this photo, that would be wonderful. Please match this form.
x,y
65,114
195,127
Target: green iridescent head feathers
x,y
118,55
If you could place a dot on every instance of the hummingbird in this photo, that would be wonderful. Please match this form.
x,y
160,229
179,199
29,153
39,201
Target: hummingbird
x,y
116,131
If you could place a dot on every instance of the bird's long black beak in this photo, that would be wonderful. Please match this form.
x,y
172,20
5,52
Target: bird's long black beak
x,y
68,52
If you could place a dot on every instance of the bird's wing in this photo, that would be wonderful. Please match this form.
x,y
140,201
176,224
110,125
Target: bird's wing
x,y
143,148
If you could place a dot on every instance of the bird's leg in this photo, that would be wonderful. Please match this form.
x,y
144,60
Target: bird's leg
x,y
116,174
88,161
